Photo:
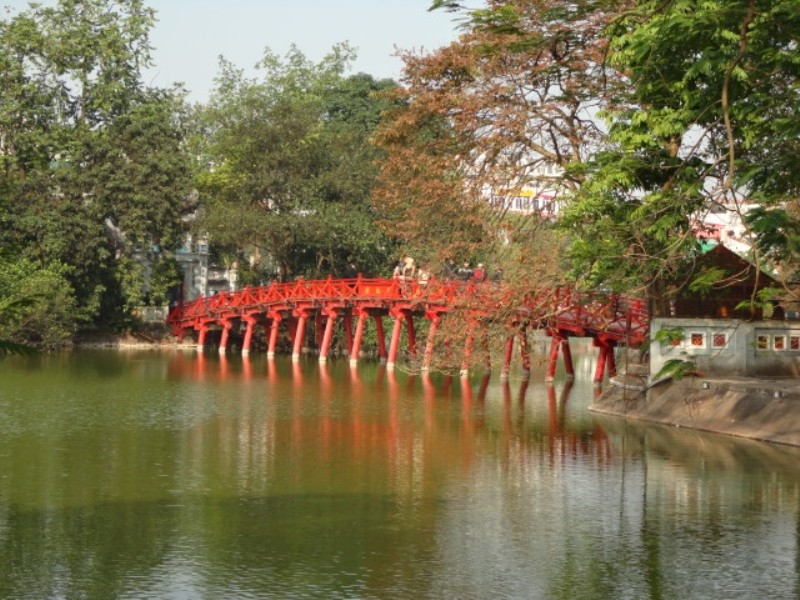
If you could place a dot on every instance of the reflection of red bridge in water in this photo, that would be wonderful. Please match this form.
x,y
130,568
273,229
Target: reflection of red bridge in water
x,y
516,429
608,319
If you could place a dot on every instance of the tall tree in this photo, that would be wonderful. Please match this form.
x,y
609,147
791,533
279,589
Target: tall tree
x,y
511,104
92,164
37,306
710,118
642,115
290,164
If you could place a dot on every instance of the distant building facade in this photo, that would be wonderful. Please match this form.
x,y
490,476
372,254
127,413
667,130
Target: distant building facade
x,y
199,277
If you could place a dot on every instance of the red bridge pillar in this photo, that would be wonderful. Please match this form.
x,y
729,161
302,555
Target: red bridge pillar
x,y
201,336
273,332
248,334
327,336
468,342
429,345
226,331
300,332
558,340
394,344
606,362
356,348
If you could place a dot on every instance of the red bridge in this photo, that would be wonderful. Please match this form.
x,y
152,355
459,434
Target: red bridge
x,y
610,320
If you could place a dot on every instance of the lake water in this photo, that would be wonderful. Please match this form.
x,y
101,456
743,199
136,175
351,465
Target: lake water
x,y
168,474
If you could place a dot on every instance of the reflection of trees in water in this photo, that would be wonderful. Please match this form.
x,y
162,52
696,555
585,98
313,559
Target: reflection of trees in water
x,y
258,472
717,512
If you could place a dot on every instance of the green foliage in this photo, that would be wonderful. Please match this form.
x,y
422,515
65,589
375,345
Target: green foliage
x,y
93,163
777,232
7,347
165,274
446,4
764,300
291,166
710,114
677,369
705,281
669,336
37,306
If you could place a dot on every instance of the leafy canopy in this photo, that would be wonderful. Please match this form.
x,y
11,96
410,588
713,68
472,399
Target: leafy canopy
x,y
92,162
290,166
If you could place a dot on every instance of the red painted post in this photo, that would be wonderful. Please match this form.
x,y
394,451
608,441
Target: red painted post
x,y
327,336
226,330
248,334
467,355
273,333
394,344
302,317
356,348
611,362
552,361
507,356
601,363
431,342
201,336
381,337
467,358
566,352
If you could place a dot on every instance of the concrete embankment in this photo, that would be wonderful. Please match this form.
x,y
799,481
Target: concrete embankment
x,y
759,409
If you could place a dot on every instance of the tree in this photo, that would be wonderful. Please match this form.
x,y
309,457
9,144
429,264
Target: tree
x,y
291,166
650,114
511,104
37,306
92,164
710,117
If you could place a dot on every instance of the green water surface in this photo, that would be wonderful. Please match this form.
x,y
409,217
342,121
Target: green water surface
x,y
168,474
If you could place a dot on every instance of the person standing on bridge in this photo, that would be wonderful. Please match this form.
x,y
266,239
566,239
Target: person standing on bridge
x,y
465,272
398,270
423,275
409,269
450,270
479,274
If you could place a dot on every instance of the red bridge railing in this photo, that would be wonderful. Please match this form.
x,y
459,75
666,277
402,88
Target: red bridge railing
x,y
562,312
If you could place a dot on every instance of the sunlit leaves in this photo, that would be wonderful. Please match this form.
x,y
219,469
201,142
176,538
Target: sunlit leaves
x,y
706,119
93,161
509,105
37,306
290,165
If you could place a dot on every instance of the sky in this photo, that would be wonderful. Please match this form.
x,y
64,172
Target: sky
x,y
191,34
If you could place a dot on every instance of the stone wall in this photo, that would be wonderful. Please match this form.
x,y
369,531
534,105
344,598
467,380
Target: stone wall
x,y
765,410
